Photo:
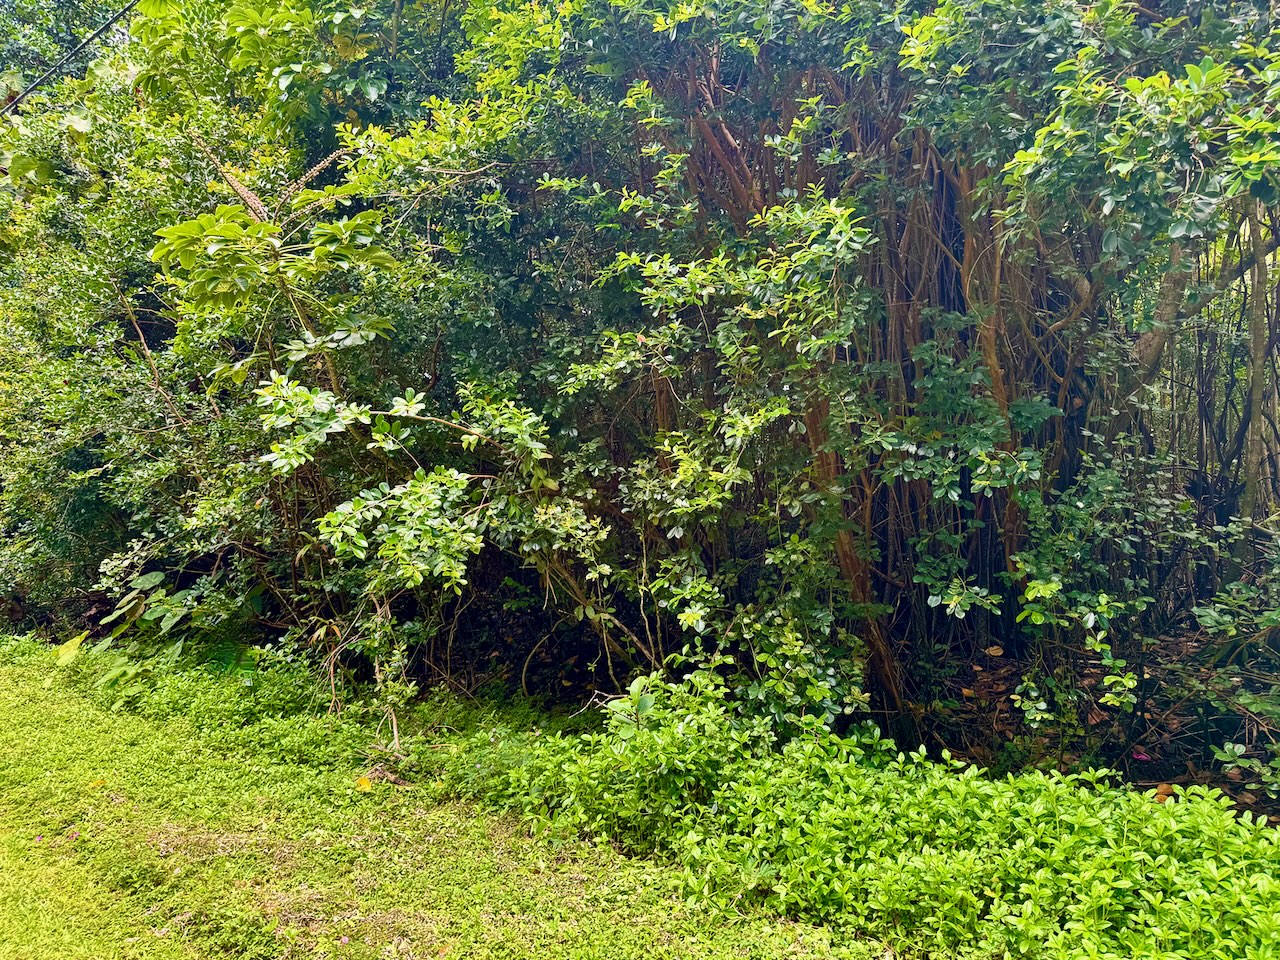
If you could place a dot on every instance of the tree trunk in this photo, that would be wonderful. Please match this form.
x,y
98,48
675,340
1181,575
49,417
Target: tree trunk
x,y
1255,450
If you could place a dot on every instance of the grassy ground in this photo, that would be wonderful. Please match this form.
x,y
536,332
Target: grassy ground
x,y
125,838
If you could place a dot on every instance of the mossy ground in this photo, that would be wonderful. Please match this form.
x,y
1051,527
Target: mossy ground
x,y
123,837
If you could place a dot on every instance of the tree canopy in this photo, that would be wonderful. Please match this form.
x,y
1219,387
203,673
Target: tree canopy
x,y
916,360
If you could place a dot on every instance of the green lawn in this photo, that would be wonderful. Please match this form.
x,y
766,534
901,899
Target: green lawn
x,y
124,838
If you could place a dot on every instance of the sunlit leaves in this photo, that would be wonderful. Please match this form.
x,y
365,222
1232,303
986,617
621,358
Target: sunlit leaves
x,y
424,528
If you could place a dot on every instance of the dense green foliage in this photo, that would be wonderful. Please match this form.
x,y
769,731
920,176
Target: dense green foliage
x,y
913,360
36,34
934,857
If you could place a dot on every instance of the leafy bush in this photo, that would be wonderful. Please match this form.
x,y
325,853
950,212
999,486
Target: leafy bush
x,y
541,341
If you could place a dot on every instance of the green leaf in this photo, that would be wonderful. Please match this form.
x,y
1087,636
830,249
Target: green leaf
x,y
148,580
157,8
68,651
171,618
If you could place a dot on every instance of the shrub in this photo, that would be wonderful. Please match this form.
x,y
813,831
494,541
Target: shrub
x,y
853,338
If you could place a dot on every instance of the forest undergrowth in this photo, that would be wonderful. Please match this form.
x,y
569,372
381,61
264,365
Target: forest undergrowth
x,y
862,419
844,835
914,361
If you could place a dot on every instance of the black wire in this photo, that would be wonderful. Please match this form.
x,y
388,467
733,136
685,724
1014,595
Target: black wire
x,y
13,104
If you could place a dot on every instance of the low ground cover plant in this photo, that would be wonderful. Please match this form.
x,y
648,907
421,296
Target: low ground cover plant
x,y
133,834
935,855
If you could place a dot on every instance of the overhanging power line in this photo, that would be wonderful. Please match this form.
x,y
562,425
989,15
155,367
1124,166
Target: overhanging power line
x,y
12,105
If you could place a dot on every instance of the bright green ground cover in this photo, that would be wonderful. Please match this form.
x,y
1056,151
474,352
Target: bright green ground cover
x,y
123,836
223,813
938,858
